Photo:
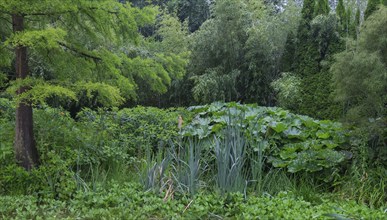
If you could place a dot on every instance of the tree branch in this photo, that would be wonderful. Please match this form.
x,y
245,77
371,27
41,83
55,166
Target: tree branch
x,y
68,11
83,53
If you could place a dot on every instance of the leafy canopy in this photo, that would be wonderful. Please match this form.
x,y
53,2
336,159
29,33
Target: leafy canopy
x,y
87,47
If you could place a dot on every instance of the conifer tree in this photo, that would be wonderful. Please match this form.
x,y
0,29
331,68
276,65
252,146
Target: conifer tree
x,y
372,5
354,24
287,59
195,11
316,42
306,54
341,13
321,8
83,49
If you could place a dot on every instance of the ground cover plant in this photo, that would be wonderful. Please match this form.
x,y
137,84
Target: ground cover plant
x,y
130,201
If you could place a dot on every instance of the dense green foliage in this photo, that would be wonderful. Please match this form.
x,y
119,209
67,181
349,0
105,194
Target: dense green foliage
x,y
296,128
372,5
131,202
80,157
298,143
241,64
308,57
359,75
74,150
110,60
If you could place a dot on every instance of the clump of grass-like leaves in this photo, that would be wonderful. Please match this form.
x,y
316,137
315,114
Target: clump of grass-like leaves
x,y
230,154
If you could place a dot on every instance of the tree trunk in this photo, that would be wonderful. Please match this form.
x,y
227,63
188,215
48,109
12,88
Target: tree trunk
x,y
25,149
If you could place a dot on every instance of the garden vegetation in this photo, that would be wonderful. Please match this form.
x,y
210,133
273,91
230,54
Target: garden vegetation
x,y
193,109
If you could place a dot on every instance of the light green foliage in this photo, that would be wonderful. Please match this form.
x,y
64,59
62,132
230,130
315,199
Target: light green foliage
x,y
47,38
295,142
174,35
288,89
40,91
214,85
101,41
100,93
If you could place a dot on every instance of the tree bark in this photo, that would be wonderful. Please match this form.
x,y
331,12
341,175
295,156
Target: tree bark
x,y
25,149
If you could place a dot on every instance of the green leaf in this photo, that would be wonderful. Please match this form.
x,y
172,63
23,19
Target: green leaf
x,y
292,132
323,135
288,154
278,162
278,126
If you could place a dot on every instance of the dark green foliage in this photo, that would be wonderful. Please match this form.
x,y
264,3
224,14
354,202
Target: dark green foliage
x,y
216,61
316,41
287,59
360,83
322,8
340,12
131,131
317,97
354,26
305,54
372,5
262,162
195,11
307,14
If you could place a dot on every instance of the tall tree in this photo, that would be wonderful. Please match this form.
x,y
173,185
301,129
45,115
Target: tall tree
x,y
236,53
341,13
80,48
25,148
372,5
322,7
304,60
196,12
316,41
360,81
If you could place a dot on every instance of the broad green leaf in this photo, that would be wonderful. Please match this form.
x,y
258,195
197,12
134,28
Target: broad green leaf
x,y
292,132
288,155
278,127
323,135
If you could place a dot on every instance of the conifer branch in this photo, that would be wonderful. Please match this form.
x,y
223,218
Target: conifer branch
x,y
83,53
